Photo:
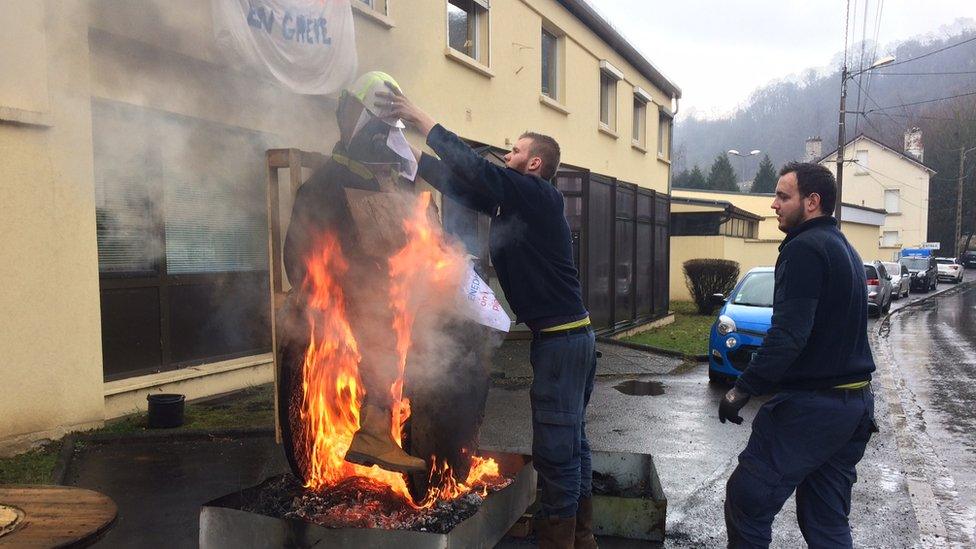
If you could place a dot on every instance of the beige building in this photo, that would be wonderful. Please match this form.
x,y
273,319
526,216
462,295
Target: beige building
x,y
882,177
742,227
133,230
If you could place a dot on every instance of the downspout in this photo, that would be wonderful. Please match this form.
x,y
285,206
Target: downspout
x,y
674,116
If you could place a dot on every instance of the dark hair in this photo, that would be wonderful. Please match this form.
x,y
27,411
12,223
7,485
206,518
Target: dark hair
x,y
547,150
814,178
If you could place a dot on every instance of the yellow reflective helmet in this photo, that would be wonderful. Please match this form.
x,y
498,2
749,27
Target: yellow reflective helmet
x,y
365,87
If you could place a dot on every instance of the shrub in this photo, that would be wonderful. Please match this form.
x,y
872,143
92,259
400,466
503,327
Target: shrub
x,y
705,277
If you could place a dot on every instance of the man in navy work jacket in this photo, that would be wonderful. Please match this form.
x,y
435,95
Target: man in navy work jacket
x,y
531,250
812,433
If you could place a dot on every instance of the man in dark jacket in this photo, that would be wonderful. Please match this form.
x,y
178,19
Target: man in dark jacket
x,y
812,433
531,250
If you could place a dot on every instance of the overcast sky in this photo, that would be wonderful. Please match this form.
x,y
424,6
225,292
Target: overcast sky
x,y
719,51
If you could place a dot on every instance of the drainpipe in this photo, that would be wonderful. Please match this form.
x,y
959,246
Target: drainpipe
x,y
674,116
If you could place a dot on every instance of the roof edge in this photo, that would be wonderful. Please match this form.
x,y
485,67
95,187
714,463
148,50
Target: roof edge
x,y
595,22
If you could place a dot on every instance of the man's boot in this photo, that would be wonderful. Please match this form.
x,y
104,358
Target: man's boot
x,y
584,525
555,532
373,444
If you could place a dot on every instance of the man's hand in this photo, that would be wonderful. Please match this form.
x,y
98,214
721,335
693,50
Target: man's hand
x,y
732,402
395,104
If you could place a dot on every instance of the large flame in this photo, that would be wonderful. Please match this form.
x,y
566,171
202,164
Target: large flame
x,y
427,267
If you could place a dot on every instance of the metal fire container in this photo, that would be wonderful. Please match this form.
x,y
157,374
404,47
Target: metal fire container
x,y
224,525
628,501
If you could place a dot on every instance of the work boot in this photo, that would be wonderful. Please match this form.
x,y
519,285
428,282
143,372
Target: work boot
x,y
584,525
555,532
373,444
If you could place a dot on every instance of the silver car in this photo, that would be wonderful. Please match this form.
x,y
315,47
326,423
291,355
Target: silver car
x,y
901,279
879,288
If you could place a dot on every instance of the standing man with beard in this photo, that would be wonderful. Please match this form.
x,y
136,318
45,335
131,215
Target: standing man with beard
x,y
531,250
812,433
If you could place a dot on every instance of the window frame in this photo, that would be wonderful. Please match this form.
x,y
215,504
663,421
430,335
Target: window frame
x,y
638,135
859,167
897,195
664,122
480,28
610,76
556,64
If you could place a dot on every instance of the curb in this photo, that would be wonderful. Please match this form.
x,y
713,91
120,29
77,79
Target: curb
x,y
652,349
883,322
59,475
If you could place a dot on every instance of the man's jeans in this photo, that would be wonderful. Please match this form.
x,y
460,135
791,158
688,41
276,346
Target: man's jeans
x,y
563,368
808,441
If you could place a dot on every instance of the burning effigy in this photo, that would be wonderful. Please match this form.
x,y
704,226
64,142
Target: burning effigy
x,y
382,376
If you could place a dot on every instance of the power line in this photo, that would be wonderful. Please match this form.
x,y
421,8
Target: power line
x,y
868,96
900,182
946,73
933,52
921,102
920,117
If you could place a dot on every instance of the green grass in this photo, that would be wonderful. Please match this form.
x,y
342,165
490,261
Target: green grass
x,y
688,334
252,407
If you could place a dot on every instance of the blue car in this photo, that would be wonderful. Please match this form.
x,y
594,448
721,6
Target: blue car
x,y
741,325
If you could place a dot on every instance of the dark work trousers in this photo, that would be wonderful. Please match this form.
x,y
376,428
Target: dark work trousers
x,y
563,368
808,441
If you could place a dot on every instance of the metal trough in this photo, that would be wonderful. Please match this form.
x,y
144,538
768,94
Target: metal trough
x,y
224,525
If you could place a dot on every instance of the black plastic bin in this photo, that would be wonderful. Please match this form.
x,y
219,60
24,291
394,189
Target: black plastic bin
x,y
165,410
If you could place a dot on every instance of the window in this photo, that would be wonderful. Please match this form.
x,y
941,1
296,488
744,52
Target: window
x,y
374,5
861,159
608,101
467,28
550,60
892,200
664,136
890,238
640,122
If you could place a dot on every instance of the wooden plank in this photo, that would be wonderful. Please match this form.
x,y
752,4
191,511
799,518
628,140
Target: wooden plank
x,y
57,515
274,270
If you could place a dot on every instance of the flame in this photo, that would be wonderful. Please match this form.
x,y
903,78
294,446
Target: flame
x,y
427,267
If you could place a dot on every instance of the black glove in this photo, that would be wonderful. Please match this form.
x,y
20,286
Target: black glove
x,y
732,402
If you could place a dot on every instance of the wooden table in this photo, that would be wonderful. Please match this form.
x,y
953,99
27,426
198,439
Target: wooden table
x,y
56,516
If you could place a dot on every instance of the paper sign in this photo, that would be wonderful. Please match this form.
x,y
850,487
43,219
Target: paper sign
x,y
480,305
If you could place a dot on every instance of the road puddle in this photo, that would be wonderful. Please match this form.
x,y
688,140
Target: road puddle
x,y
634,387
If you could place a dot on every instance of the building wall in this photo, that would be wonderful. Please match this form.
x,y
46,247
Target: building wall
x,y
49,330
160,56
887,170
494,104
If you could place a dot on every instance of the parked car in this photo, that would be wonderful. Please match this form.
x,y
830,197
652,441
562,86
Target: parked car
x,y
901,279
949,269
923,271
968,259
879,288
741,326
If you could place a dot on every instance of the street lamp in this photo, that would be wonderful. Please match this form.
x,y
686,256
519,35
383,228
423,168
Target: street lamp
x,y
846,75
734,152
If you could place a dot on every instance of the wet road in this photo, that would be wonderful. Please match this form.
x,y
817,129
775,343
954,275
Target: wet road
x,y
931,351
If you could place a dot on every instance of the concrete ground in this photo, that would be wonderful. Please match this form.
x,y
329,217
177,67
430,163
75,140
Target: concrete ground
x,y
160,484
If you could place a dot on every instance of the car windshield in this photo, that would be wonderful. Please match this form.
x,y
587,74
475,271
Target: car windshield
x,y
894,269
756,290
870,271
944,261
916,263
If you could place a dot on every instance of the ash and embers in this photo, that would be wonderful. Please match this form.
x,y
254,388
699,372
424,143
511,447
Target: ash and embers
x,y
359,502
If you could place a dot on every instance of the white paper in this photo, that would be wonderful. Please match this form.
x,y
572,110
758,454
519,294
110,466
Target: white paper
x,y
478,302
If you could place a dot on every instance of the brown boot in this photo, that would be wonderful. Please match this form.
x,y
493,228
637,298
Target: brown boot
x,y
373,444
584,525
555,532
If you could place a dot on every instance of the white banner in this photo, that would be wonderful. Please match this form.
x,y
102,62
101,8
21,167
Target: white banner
x,y
308,45
480,304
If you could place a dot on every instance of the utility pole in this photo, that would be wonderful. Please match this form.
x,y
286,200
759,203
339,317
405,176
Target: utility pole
x,y
841,142
962,164
963,151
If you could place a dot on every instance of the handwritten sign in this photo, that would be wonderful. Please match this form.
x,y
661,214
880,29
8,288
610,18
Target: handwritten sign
x,y
478,302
